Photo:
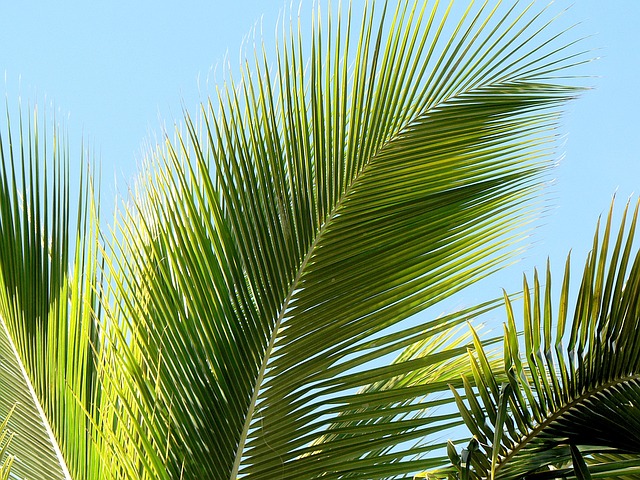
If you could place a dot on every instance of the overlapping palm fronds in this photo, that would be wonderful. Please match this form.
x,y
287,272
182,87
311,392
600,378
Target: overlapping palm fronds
x,y
569,406
272,245
260,271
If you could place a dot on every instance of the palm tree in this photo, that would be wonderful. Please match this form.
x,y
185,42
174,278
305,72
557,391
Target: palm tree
x,y
237,317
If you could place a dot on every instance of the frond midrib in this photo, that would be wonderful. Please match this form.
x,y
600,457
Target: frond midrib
x,y
272,340
54,443
560,412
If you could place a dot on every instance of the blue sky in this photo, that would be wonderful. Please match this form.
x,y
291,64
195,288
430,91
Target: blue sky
x,y
116,72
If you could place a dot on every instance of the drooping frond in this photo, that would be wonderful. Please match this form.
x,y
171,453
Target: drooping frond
x,y
272,245
571,399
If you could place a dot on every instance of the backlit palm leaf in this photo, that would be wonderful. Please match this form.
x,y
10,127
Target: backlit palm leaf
x,y
257,277
48,333
271,245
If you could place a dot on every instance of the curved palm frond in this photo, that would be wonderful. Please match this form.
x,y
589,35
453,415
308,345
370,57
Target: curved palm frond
x,y
570,400
270,248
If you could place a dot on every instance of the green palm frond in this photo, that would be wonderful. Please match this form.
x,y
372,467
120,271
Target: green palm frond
x,y
570,400
269,249
48,334
242,319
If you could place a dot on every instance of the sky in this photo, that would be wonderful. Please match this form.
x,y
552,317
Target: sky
x,y
117,73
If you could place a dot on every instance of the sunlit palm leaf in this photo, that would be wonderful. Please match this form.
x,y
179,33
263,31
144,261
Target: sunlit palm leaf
x,y
270,247
573,392
48,332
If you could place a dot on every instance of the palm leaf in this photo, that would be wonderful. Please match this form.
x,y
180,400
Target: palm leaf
x,y
270,250
572,406
47,329
257,279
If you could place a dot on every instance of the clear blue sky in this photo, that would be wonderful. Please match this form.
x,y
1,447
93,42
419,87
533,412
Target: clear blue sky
x,y
116,71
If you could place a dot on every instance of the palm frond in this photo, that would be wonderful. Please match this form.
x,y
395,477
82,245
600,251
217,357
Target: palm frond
x,y
48,332
571,397
271,246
